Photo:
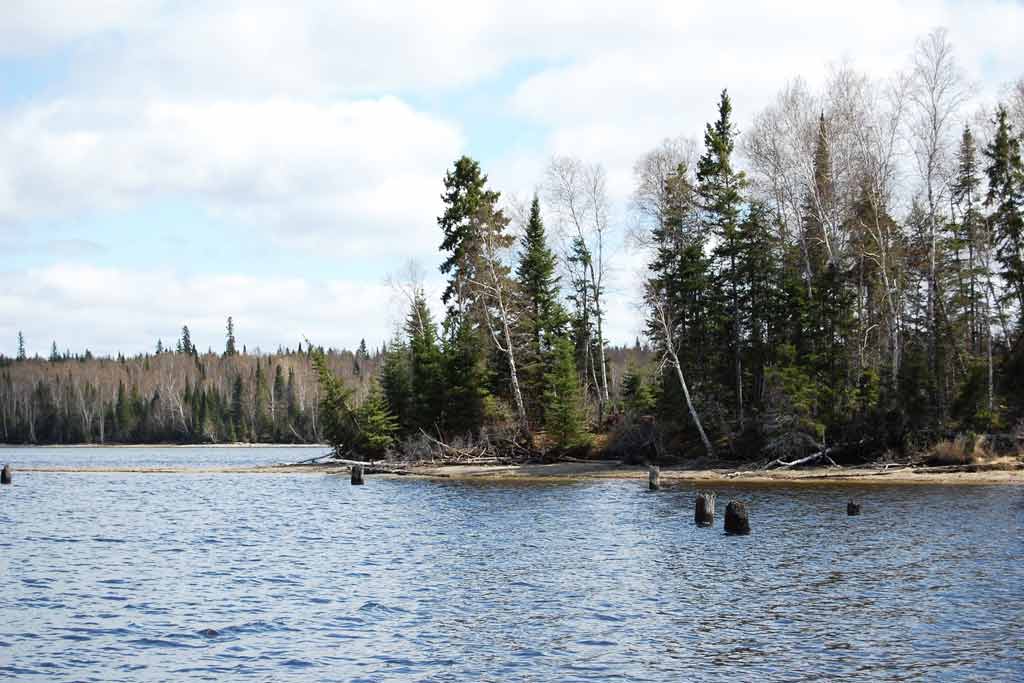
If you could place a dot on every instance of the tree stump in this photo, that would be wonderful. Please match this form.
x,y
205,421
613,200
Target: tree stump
x,y
654,477
736,520
852,508
357,475
5,475
704,512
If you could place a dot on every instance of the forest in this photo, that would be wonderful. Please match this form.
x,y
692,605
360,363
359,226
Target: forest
x,y
844,275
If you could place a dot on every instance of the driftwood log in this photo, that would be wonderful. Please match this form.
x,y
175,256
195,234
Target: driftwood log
x,y
357,475
704,511
737,522
654,478
5,475
852,508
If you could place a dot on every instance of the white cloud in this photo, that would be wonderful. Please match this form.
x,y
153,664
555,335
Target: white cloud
x,y
361,173
110,309
294,118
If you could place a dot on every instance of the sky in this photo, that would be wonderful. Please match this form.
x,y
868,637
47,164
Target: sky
x,y
168,163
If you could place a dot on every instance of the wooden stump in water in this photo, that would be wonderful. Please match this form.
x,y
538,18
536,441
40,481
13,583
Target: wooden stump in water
x,y
736,519
852,508
704,512
654,478
5,475
357,475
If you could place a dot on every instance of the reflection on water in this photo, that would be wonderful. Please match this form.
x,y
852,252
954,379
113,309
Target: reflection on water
x,y
150,578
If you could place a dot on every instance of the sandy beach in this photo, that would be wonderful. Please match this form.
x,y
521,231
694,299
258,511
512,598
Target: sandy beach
x,y
1001,472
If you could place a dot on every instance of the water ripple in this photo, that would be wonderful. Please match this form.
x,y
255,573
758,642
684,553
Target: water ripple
x,y
221,577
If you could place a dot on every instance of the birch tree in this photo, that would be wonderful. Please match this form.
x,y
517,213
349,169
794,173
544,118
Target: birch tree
x,y
577,194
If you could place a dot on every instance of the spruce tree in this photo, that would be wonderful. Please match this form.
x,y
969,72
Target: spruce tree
x,y
465,194
426,373
564,418
21,346
185,343
396,384
337,420
229,347
719,186
1006,196
969,235
466,200
377,425
542,318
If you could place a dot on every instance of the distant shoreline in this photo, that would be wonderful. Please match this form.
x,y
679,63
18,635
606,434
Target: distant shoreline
x,y
569,472
166,445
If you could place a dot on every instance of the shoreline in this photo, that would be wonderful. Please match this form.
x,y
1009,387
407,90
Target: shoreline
x,y
567,472
11,446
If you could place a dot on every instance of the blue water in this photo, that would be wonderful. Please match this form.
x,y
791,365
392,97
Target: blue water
x,y
134,577
155,456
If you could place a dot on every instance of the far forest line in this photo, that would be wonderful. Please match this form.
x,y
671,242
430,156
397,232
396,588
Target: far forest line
x,y
845,277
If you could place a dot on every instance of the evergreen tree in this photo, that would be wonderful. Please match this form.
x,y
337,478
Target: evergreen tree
x,y
185,343
229,347
465,378
159,346
969,235
337,420
377,425
426,372
637,395
464,196
719,186
21,346
542,318
564,418
396,384
1006,196
467,200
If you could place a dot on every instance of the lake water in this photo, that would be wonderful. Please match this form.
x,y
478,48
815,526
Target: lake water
x,y
156,577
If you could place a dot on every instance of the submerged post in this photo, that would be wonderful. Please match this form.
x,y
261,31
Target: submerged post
x,y
852,508
736,520
704,512
5,475
654,477
357,475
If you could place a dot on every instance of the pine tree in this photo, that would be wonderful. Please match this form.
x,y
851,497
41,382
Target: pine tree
x,y
542,319
229,347
465,378
426,373
637,396
21,346
185,343
467,200
337,420
564,418
719,186
464,196
377,425
969,234
159,346
396,384
1006,194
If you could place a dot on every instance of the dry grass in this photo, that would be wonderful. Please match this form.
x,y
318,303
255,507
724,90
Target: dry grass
x,y
965,449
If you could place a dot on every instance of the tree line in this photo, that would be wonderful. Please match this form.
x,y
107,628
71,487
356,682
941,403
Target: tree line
x,y
174,395
846,272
